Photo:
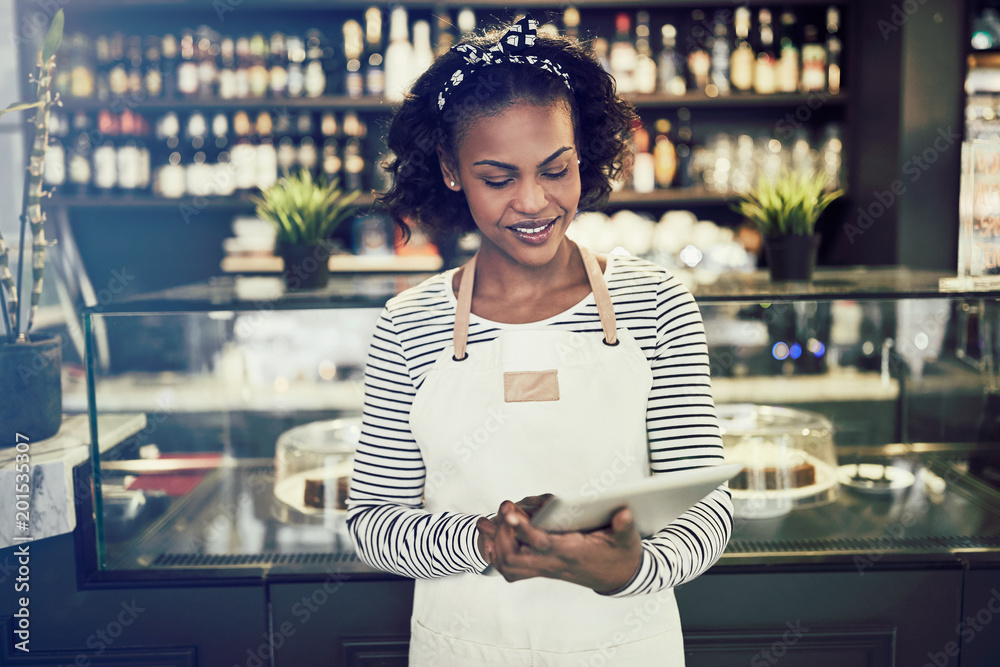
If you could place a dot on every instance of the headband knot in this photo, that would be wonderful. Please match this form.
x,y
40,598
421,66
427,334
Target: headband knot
x,y
513,47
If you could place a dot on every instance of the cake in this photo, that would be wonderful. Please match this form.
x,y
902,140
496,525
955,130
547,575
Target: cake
x,y
770,466
315,493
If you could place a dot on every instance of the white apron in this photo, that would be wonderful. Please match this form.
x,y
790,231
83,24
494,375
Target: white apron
x,y
534,411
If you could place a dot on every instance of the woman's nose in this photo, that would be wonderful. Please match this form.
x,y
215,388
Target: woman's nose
x,y
531,197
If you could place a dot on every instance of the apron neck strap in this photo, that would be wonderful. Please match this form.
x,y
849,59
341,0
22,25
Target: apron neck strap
x,y
605,308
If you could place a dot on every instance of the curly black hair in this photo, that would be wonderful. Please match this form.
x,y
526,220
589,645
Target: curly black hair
x,y
602,124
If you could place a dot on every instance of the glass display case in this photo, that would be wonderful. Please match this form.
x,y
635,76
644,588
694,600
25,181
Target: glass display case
x,y
886,386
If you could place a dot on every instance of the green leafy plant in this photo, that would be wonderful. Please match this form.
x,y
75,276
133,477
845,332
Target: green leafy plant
x,y
303,209
787,205
31,212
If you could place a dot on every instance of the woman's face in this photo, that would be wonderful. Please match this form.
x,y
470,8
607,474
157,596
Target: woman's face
x,y
521,177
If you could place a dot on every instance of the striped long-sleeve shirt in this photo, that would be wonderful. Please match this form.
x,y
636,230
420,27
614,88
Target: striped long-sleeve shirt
x,y
391,529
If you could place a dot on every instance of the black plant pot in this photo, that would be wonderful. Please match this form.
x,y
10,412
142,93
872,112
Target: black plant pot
x,y
791,257
307,266
31,385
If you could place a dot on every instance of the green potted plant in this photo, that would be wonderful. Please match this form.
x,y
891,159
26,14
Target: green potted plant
x,y
30,370
785,210
304,212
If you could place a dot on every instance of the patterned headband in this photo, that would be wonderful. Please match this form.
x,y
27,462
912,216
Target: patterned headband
x,y
514,46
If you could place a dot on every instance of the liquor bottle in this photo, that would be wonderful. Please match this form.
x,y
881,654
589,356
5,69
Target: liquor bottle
x,y
144,178
169,177
105,157
286,155
423,53
601,53
399,60
571,22
331,162
134,86
446,36
54,174
128,156
223,179
788,63
207,51
644,166
242,67
243,154
833,48
466,22
197,173
742,66
78,166
832,158
622,56
260,78
354,165
699,62
813,61
168,51
319,76
228,88
307,155
296,60
719,70
278,66
671,68
645,65
266,160
82,75
375,72
62,78
153,77
354,81
118,73
664,155
353,125
765,75
102,55
187,68
684,153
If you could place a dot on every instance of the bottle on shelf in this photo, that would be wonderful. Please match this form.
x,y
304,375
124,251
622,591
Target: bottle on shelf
x,y
354,80
444,32
54,174
296,63
423,53
197,172
81,67
105,155
79,172
683,147
102,56
466,22
243,153
169,176
571,21
118,72
831,158
699,62
153,77
813,61
135,81
765,77
242,67
719,72
354,165
671,68
128,155
375,70
331,162
259,76
833,49
644,167
320,74
788,63
742,65
223,178
168,53
207,54
228,88
664,155
645,65
187,68
278,68
306,156
622,56
399,56
266,159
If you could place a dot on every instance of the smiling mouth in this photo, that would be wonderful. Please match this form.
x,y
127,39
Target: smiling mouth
x,y
533,231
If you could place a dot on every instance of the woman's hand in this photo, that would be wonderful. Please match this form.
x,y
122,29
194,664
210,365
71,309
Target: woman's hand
x,y
488,527
603,560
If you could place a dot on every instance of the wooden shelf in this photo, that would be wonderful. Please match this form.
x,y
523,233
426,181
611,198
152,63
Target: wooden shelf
x,y
240,203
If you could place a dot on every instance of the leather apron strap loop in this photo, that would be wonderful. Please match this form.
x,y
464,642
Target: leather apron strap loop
x,y
460,335
602,296
605,308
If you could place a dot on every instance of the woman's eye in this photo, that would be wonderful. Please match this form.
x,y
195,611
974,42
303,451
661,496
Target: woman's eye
x,y
558,174
497,184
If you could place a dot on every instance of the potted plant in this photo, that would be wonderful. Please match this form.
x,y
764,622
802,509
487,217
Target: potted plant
x,y
304,212
30,370
785,210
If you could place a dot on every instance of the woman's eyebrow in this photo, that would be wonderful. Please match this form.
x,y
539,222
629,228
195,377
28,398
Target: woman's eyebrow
x,y
510,167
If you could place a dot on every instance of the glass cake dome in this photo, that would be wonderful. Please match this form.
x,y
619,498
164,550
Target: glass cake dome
x,y
789,458
312,468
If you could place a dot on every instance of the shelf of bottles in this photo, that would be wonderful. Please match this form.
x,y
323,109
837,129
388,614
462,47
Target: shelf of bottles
x,y
150,120
982,81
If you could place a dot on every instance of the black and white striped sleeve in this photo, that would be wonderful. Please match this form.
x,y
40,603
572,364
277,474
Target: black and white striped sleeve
x,y
683,433
388,524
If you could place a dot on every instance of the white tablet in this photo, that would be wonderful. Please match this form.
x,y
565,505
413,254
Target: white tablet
x,y
655,501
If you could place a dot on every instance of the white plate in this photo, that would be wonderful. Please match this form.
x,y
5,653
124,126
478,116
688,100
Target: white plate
x,y
899,478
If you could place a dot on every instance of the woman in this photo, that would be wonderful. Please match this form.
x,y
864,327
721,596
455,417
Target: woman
x,y
535,368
